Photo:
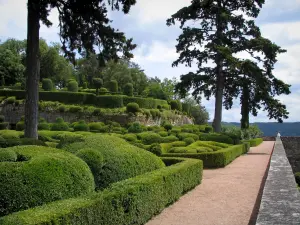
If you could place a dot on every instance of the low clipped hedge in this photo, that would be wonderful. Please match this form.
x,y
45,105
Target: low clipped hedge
x,y
220,158
254,142
41,175
83,98
216,137
132,201
121,160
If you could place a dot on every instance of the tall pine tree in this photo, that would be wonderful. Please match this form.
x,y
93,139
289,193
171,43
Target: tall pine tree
x,y
220,30
83,24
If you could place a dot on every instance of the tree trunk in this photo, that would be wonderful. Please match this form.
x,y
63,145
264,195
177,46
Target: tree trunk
x,y
220,77
245,107
32,71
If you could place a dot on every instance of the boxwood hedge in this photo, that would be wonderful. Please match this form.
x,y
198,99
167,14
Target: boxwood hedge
x,y
121,160
41,175
216,159
132,201
254,142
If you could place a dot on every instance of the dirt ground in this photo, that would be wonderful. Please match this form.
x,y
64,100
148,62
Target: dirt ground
x,y
226,196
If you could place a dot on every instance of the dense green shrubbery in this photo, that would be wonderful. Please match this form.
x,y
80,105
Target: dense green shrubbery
x,y
81,126
75,109
189,140
254,142
45,175
155,149
72,86
163,133
169,139
122,160
7,155
3,125
168,126
167,146
96,126
130,137
132,201
133,107
176,105
183,136
47,84
135,128
216,137
128,89
113,86
11,100
103,91
59,125
149,138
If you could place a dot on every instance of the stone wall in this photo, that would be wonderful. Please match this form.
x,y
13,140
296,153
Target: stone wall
x,y
280,203
292,148
13,115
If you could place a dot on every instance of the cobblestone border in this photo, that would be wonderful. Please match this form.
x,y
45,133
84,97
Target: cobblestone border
x,y
280,203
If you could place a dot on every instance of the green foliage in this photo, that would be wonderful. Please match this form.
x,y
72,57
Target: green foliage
x,y
214,159
84,85
75,109
163,133
133,108
149,138
98,83
11,100
183,136
135,128
169,139
189,140
81,126
62,108
208,129
96,126
20,126
216,137
59,125
254,142
103,91
122,160
297,178
113,86
47,85
2,118
8,155
130,137
45,177
252,132
115,205
128,89
176,105
155,148
4,125
72,86
168,126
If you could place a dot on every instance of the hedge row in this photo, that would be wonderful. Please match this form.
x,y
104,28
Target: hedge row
x,y
132,201
216,159
104,101
255,142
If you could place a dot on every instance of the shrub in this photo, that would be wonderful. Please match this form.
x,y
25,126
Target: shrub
x,y
149,138
11,100
113,86
2,118
49,175
103,91
75,109
189,140
135,128
130,137
183,136
176,105
297,178
128,89
122,160
3,126
7,155
20,126
168,126
72,86
10,134
62,108
98,82
208,129
132,201
155,149
133,108
255,142
31,141
43,125
95,126
84,85
169,139
59,125
163,133
81,126
47,85
216,137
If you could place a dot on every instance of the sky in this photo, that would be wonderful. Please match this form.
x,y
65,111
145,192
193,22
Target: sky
x,y
146,24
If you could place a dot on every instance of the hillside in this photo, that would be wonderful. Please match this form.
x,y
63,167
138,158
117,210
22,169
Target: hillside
x,y
270,129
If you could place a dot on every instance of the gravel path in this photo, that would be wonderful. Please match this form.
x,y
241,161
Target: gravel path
x,y
226,196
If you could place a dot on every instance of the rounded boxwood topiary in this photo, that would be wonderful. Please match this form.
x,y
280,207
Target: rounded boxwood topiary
x,y
103,91
11,100
84,85
43,126
149,138
47,84
75,109
62,108
81,126
2,118
169,139
168,126
20,126
43,175
59,125
3,126
72,86
155,149
121,160
128,89
189,140
176,105
132,107
8,155
113,86
135,128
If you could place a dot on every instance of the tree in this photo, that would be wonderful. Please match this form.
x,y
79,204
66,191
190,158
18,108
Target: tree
x,y
197,111
221,31
82,24
98,84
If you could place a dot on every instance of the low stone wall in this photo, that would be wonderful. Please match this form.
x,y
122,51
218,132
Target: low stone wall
x,y
269,138
280,203
13,115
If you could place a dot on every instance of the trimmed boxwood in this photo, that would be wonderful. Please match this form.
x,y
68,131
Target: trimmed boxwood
x,y
59,125
183,136
8,155
128,89
120,159
215,159
132,107
149,138
216,137
47,84
132,201
72,86
255,142
43,175
81,126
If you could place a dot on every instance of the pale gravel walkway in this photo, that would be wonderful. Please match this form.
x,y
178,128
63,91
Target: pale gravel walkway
x,y
226,196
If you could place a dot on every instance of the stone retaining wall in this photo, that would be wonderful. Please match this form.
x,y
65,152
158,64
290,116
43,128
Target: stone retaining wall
x,y
292,149
280,203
